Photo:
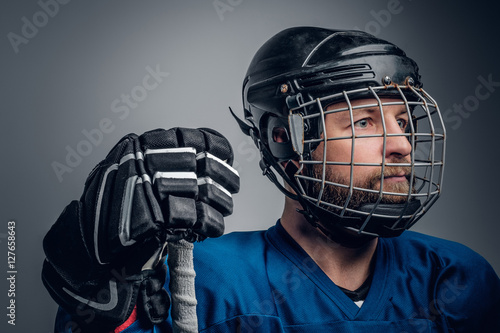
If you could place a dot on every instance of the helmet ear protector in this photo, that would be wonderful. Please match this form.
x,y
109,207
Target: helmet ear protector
x,y
277,135
301,76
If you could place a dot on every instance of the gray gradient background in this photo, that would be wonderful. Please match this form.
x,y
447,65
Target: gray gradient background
x,y
90,53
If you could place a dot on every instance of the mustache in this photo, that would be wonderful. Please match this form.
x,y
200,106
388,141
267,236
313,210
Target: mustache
x,y
390,171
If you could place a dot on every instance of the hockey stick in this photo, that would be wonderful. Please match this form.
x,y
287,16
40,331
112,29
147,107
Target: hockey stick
x,y
182,290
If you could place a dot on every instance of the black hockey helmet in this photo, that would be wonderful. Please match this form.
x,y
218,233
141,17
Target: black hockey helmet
x,y
290,82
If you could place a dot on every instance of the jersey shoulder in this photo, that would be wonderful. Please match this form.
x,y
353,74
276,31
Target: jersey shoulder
x,y
414,246
464,287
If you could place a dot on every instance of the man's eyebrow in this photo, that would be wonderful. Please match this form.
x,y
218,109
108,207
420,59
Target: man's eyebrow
x,y
373,109
343,117
345,109
404,111
342,113
368,110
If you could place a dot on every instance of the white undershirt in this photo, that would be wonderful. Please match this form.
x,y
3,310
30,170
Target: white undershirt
x,y
359,303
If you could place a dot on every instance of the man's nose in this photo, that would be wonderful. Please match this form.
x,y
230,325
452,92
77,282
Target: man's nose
x,y
397,143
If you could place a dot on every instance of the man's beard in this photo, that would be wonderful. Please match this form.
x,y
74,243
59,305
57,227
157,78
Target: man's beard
x,y
338,195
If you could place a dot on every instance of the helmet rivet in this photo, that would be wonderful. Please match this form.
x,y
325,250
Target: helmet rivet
x,y
387,80
410,81
284,88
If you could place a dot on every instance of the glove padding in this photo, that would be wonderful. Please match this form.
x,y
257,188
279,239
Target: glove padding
x,y
103,251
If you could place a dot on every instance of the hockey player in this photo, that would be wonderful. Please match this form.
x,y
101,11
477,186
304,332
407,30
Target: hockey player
x,y
343,119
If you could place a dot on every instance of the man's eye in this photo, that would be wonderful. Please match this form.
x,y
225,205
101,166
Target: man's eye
x,y
402,123
363,123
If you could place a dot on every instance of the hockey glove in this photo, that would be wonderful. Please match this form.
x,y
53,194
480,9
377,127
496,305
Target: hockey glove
x,y
105,252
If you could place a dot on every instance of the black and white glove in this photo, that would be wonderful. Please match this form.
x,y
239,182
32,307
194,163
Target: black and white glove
x,y
105,253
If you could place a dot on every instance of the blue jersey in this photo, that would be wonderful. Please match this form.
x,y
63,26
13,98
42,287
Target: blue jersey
x,y
263,281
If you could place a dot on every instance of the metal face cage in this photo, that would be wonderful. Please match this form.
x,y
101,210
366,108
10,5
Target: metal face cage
x,y
383,210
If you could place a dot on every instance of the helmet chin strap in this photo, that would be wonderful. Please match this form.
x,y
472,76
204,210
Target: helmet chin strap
x,y
338,234
338,230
